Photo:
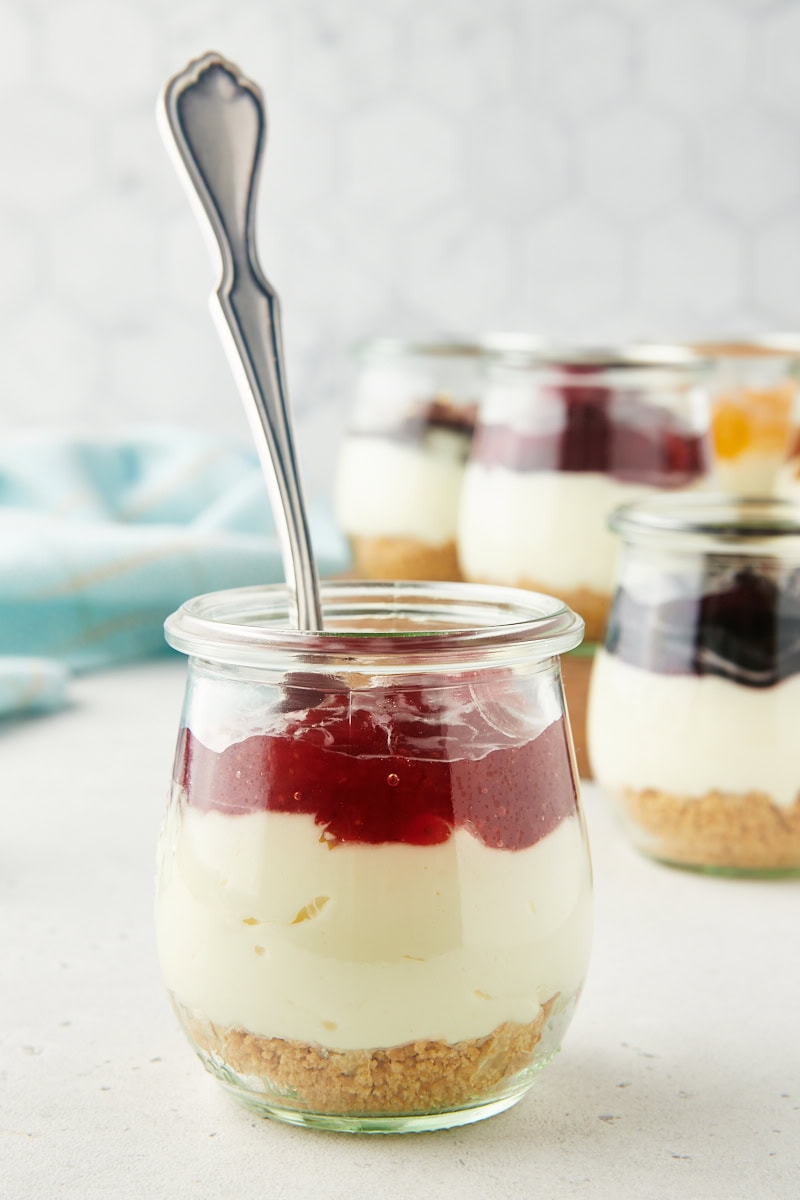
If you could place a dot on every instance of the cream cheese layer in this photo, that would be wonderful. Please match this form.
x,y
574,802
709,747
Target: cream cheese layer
x,y
692,734
389,488
548,527
261,925
753,474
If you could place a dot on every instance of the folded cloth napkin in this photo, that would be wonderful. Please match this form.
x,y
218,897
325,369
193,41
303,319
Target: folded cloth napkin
x,y
101,539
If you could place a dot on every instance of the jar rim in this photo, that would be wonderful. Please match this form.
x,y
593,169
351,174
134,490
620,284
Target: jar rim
x,y
765,345
526,352
448,346
718,515
445,622
611,357
632,365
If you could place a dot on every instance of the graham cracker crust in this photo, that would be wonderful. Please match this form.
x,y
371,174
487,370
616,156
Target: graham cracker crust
x,y
744,831
403,558
418,1077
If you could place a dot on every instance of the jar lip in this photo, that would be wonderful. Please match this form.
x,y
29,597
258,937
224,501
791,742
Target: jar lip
x,y
765,345
447,346
632,366
522,351
669,356
719,515
240,624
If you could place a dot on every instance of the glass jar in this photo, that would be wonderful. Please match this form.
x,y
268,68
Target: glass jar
x,y
373,901
401,463
694,701
754,407
564,436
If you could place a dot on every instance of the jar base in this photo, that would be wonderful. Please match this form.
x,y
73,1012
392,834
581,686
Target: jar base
x,y
742,835
394,1112
417,1084
723,872
268,1109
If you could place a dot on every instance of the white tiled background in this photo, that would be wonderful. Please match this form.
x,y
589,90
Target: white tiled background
x,y
585,168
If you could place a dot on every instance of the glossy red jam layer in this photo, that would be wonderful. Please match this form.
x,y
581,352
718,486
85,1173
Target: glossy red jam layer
x,y
403,772
590,428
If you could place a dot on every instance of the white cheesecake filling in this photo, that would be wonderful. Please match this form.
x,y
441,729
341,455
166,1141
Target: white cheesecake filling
x,y
262,926
692,734
548,527
387,488
752,474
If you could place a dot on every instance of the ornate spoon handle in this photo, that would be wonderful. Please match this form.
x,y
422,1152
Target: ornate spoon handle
x,y
213,118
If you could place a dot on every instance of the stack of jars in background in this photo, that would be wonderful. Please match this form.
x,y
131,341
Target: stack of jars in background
x,y
500,461
503,461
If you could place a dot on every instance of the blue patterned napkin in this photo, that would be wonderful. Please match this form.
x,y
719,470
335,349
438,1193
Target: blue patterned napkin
x,y
101,539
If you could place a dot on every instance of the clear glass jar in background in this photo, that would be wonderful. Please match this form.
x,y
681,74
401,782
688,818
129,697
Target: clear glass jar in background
x,y
694,702
755,386
374,889
401,463
564,436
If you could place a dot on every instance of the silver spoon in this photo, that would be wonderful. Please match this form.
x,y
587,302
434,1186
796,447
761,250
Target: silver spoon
x,y
212,118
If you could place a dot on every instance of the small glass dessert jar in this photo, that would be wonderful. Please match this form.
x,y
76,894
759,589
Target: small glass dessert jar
x,y
563,437
374,888
401,463
754,410
694,701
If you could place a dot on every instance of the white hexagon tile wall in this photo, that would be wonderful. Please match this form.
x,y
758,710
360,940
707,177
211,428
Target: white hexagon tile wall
x,y
589,169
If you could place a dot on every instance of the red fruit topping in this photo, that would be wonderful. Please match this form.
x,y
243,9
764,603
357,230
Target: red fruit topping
x,y
386,766
426,829
590,428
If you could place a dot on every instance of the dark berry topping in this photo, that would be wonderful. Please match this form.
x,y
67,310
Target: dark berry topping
x,y
744,625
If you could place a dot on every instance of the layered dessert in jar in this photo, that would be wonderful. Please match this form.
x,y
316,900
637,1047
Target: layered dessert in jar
x,y
564,437
401,463
754,410
374,889
694,700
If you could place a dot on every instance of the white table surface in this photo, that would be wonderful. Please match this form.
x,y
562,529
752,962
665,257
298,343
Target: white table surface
x,y
680,1075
